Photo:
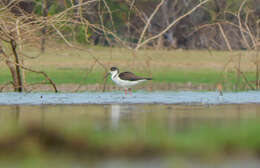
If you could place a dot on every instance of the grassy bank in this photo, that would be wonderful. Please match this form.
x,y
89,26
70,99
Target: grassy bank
x,y
80,76
71,66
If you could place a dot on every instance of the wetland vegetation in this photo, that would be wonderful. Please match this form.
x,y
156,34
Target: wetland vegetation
x,y
69,46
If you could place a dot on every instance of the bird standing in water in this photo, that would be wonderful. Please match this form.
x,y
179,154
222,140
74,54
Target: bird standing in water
x,y
220,89
125,79
220,92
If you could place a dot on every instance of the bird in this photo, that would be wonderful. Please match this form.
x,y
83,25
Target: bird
x,y
220,92
125,79
220,89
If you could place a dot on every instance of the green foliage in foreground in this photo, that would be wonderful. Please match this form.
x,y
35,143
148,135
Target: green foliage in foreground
x,y
200,140
89,141
80,76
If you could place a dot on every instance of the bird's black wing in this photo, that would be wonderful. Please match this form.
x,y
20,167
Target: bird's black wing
x,y
131,77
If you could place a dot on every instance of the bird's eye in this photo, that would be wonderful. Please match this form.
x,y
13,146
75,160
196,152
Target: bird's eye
x,y
113,68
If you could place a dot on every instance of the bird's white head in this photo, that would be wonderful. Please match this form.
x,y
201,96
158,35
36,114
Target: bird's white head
x,y
114,71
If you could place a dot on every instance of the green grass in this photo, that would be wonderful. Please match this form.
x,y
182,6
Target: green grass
x,y
183,76
65,65
80,76
63,76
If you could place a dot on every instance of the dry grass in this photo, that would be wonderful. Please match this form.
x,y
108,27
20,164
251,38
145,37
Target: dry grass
x,y
157,60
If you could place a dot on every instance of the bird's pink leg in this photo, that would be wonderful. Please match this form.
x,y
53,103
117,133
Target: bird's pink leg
x,y
125,91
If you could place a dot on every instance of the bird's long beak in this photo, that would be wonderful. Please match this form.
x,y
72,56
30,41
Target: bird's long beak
x,y
106,75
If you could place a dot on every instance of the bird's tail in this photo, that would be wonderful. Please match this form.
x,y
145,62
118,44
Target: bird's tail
x,y
148,78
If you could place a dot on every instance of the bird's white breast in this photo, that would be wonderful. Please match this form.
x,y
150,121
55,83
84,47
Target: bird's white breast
x,y
124,83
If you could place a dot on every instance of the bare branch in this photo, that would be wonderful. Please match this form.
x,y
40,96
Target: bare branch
x,y
44,74
149,21
172,24
225,38
9,4
61,35
240,23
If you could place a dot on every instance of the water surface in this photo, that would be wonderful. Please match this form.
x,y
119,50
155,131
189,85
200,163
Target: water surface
x,y
171,111
186,97
170,116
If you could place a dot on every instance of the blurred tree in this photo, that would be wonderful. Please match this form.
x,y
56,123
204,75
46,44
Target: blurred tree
x,y
127,18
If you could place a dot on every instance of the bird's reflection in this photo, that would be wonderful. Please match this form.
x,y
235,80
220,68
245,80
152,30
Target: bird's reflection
x,y
120,112
173,117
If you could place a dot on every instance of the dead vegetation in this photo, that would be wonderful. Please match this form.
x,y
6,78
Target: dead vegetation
x,y
18,29
246,27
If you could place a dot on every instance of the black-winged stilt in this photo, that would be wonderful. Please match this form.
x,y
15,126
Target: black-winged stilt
x,y
125,79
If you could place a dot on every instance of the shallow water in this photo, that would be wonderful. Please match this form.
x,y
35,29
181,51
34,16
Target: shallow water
x,y
186,97
169,116
174,111
115,116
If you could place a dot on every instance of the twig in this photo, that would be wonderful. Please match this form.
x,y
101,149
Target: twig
x,y
171,25
245,78
61,35
240,24
9,4
44,74
149,21
225,38
102,24
5,85
10,63
249,32
110,15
